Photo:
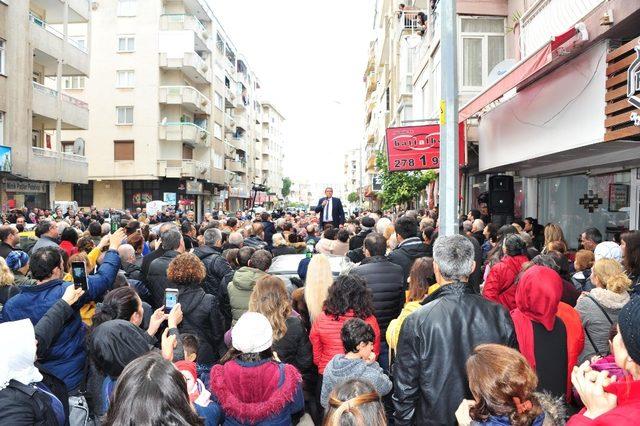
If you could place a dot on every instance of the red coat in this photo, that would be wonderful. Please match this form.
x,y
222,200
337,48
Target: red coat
x,y
326,341
69,248
499,285
626,413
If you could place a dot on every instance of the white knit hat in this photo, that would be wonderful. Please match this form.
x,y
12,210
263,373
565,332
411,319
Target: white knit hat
x,y
608,250
252,333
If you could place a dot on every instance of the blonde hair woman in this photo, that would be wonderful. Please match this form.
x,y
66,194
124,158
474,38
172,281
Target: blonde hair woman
x,y
552,233
599,308
7,289
290,339
316,287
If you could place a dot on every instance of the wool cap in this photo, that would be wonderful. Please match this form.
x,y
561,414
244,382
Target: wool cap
x,y
252,333
629,323
608,250
17,259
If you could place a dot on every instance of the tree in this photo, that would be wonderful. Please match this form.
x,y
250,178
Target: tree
x,y
286,186
353,197
401,187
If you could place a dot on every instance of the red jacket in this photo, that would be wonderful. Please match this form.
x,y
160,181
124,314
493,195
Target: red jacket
x,y
626,413
326,340
69,248
499,285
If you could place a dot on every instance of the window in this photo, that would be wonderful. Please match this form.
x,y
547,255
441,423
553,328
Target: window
x,y
125,115
483,48
219,102
67,147
79,41
2,56
75,82
83,194
126,43
123,151
1,128
217,131
218,161
125,78
127,7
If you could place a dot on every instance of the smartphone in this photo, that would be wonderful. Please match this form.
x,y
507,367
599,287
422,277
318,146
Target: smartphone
x,y
170,299
79,274
116,218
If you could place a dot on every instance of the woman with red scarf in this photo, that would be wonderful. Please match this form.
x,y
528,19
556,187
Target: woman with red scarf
x,y
549,332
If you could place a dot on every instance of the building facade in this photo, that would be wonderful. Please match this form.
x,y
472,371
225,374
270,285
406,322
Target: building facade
x,y
43,45
178,116
352,175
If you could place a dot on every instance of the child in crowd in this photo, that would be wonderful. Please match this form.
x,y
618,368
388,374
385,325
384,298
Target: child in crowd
x,y
583,264
199,396
608,363
358,362
190,345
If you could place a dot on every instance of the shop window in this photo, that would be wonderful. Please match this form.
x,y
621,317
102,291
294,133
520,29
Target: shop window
x,y
123,151
83,194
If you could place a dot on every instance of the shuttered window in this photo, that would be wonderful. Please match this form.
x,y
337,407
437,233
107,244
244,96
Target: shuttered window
x,y
123,150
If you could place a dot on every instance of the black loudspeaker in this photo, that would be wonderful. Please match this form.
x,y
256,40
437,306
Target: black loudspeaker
x,y
501,197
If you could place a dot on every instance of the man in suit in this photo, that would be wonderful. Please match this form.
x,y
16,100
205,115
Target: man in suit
x,y
330,209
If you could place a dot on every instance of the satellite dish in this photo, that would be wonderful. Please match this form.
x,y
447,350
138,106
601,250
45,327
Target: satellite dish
x,y
500,70
164,121
78,147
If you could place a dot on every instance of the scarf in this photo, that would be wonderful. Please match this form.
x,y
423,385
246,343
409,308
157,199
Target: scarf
x,y
18,353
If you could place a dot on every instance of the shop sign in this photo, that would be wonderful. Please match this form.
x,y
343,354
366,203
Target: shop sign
x,y
5,158
194,187
590,201
377,182
622,107
142,198
24,186
633,86
418,147
618,196
238,192
169,198
154,207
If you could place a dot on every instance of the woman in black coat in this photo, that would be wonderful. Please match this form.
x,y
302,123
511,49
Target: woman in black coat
x,y
29,396
200,311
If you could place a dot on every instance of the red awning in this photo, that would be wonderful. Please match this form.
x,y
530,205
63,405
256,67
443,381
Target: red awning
x,y
519,73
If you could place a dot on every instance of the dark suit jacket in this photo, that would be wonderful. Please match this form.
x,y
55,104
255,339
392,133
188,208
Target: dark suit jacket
x,y
337,212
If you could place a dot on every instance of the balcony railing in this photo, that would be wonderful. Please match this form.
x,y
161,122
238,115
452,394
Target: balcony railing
x,y
547,18
49,153
185,95
54,93
186,132
182,20
41,23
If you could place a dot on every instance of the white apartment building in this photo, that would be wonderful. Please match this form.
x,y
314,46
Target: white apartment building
x,y
272,151
352,174
38,55
176,109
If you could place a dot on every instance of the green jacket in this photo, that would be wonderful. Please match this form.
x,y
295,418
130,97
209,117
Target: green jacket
x,y
240,289
20,279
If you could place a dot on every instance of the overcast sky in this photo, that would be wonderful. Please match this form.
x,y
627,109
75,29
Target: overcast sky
x,y
310,58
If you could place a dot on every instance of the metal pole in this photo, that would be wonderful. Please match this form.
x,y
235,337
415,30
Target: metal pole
x,y
449,121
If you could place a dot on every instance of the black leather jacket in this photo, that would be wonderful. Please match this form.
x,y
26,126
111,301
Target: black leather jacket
x,y
408,251
430,379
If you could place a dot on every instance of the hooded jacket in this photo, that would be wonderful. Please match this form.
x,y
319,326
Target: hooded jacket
x,y
326,339
157,281
384,279
219,275
594,321
626,412
430,378
202,318
240,288
340,369
66,357
257,393
500,283
357,240
408,251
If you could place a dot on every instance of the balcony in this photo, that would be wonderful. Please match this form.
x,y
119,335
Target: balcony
x,y
242,120
183,168
371,162
236,166
181,22
550,17
189,63
49,165
78,10
74,113
189,97
50,46
265,165
229,97
189,133
240,144
218,176
372,83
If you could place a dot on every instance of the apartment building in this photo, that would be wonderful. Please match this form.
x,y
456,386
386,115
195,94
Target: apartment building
x,y
37,56
177,113
272,152
352,176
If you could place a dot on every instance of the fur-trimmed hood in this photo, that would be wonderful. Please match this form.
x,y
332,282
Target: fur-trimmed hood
x,y
555,411
609,299
254,392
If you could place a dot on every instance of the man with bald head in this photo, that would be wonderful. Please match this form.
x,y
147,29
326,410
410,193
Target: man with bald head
x,y
235,240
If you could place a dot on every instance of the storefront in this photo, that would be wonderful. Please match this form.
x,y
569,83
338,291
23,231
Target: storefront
x,y
180,193
239,198
24,193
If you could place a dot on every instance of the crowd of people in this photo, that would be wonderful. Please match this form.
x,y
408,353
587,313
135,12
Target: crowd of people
x,y
497,325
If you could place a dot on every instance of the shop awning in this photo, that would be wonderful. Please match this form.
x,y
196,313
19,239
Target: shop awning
x,y
520,73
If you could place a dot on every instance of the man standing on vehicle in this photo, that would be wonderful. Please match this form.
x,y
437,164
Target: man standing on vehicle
x,y
330,209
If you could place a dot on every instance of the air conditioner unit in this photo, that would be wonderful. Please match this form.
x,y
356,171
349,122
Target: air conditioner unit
x,y
204,101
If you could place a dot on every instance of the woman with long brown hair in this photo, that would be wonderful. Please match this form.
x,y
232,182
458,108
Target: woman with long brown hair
x,y
355,402
503,387
290,339
553,233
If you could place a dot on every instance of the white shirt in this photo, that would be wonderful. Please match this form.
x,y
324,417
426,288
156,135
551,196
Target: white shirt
x,y
328,208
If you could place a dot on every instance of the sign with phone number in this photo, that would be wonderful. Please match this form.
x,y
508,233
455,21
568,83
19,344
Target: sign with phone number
x,y
418,147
